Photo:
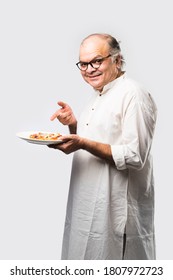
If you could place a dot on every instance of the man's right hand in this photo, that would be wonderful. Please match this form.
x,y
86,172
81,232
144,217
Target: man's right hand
x,y
65,116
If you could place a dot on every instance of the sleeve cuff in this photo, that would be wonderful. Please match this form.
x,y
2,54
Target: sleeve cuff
x,y
118,156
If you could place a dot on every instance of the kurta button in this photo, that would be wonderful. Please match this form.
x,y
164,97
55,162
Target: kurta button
x,y
92,109
86,123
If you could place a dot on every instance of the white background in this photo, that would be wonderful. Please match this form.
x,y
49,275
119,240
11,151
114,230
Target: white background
x,y
39,44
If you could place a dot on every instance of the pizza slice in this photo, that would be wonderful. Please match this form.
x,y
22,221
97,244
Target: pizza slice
x,y
44,136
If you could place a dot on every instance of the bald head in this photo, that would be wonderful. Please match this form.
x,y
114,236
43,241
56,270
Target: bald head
x,y
106,39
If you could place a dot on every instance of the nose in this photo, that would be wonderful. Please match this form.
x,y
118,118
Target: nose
x,y
90,69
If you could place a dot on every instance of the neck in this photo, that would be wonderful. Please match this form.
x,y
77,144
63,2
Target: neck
x,y
120,73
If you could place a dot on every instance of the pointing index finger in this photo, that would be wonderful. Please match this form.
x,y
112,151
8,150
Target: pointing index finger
x,y
57,113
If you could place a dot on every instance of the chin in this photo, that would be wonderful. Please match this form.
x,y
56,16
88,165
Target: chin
x,y
95,84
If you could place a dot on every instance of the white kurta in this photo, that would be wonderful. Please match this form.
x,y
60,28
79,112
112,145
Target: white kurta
x,y
110,210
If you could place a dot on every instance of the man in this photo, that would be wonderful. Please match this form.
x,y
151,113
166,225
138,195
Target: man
x,y
110,210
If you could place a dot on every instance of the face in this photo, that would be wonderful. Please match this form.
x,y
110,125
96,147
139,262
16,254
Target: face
x,y
97,48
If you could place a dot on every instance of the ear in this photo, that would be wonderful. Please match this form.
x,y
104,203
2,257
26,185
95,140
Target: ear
x,y
118,61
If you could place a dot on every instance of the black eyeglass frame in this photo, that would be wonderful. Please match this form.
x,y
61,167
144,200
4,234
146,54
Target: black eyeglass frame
x,y
92,61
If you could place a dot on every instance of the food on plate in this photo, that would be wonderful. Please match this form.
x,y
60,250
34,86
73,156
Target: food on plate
x,y
45,136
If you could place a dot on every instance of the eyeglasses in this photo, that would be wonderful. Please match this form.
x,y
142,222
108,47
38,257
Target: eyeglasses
x,y
95,63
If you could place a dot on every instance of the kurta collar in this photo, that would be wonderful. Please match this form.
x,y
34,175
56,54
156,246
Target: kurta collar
x,y
111,84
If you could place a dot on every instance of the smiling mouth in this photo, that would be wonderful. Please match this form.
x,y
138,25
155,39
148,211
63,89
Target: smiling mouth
x,y
93,76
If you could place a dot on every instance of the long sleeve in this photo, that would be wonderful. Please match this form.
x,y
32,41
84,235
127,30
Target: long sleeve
x,y
138,124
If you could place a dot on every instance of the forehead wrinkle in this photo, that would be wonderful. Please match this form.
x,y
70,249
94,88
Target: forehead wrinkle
x,y
92,48
94,57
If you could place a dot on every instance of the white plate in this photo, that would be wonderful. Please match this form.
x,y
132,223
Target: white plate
x,y
25,136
